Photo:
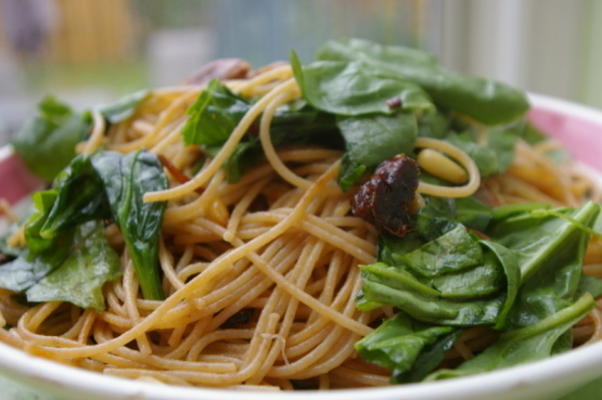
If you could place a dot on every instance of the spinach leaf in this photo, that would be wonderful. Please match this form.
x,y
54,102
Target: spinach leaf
x,y
217,111
440,215
79,279
492,157
392,54
481,281
79,198
454,251
245,154
46,143
409,348
533,135
213,116
428,360
455,279
107,184
590,284
518,346
42,202
355,88
126,178
398,287
392,248
550,252
27,269
434,125
550,263
540,239
482,99
370,139
123,108
74,269
509,262
350,173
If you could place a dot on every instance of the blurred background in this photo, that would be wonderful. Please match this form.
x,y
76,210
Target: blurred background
x,y
88,52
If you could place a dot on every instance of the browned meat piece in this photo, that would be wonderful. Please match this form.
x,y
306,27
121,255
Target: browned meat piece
x,y
385,198
223,68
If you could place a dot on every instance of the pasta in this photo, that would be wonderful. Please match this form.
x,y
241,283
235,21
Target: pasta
x,y
261,276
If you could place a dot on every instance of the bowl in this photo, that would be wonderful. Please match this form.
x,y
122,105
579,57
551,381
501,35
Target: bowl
x,y
578,127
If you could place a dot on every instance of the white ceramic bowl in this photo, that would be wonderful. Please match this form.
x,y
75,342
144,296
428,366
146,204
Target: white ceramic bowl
x,y
578,127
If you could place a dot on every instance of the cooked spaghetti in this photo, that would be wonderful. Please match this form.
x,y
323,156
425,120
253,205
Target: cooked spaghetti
x,y
261,276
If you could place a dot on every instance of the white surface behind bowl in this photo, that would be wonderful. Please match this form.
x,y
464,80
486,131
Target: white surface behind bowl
x,y
544,380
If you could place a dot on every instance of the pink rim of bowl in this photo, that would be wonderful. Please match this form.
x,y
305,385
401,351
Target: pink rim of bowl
x,y
578,127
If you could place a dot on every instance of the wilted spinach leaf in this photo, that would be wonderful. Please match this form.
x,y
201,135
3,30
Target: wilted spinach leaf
x,y
27,269
213,116
79,279
492,157
530,343
440,215
455,279
42,202
218,111
434,125
355,88
398,287
46,143
453,251
123,108
550,252
590,284
126,178
79,198
105,185
409,348
350,173
370,139
482,99
538,239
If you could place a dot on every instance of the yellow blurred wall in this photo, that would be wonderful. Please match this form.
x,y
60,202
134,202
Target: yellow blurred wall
x,y
88,31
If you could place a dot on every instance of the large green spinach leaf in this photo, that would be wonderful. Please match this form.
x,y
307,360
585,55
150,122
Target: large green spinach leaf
x,y
409,348
126,178
105,185
26,270
538,237
550,251
440,215
213,116
482,99
370,139
79,198
74,269
396,286
355,88
452,252
46,143
522,345
493,155
123,108
80,277
455,279
217,111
